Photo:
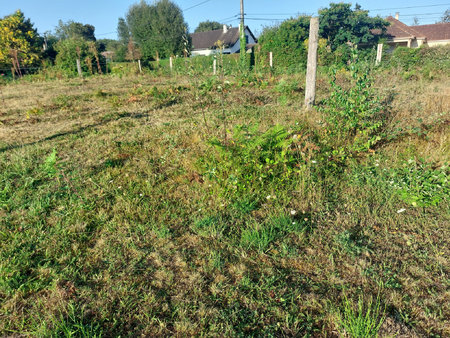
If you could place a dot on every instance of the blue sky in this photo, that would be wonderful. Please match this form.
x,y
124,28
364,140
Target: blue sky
x,y
103,14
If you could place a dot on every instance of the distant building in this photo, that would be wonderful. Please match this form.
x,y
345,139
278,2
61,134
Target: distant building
x,y
205,43
400,34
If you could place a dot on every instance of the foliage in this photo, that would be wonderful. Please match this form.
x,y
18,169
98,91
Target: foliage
x,y
69,50
75,30
206,26
123,31
18,41
353,116
364,322
446,16
49,166
340,24
158,28
254,161
419,184
287,43
408,58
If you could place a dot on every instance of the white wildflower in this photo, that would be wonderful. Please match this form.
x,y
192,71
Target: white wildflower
x,y
293,212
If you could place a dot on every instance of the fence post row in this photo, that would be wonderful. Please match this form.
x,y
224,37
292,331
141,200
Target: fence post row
x,y
271,59
311,71
171,63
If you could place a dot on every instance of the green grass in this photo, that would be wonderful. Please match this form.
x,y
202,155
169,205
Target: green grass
x,y
144,205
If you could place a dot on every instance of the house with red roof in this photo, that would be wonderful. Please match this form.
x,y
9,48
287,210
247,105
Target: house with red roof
x,y
400,34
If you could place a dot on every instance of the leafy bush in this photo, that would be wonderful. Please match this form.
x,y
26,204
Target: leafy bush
x,y
70,50
286,41
353,116
254,161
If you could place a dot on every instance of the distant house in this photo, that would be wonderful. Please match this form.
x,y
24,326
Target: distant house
x,y
205,43
400,34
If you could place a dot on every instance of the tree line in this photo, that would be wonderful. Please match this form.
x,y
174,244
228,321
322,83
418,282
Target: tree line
x,y
158,30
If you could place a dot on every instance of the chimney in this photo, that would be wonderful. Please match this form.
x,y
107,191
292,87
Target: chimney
x,y
225,28
397,16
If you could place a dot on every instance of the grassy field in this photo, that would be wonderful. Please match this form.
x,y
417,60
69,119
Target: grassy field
x,y
143,205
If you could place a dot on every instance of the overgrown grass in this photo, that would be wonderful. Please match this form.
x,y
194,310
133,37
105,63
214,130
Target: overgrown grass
x,y
157,206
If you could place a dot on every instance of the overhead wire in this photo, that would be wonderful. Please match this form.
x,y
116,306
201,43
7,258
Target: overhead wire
x,y
197,5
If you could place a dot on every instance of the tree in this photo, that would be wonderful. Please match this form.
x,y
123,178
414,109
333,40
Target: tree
x,y
19,42
72,29
158,28
339,24
123,31
446,16
206,26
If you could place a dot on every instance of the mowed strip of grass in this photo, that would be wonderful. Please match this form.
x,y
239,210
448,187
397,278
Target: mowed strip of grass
x,y
113,221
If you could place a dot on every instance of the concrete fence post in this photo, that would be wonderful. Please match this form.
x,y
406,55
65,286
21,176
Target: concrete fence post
x,y
379,53
80,74
311,71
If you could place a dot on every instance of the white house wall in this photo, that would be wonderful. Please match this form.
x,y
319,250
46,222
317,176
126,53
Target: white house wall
x,y
232,50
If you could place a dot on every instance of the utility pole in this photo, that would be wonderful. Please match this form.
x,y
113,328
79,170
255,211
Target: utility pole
x,y
242,41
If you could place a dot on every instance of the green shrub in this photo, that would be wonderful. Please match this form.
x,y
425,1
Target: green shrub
x,y
353,117
69,50
254,161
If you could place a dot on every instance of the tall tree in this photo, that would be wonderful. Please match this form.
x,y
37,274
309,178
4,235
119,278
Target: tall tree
x,y
206,26
123,31
75,30
19,42
446,16
159,27
340,24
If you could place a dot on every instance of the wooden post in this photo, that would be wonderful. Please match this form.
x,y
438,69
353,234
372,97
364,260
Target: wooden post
x,y
140,67
171,63
379,53
271,59
311,71
215,66
80,74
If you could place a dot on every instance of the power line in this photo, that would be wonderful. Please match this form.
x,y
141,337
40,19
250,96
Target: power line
x,y
388,9
421,14
106,33
199,4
